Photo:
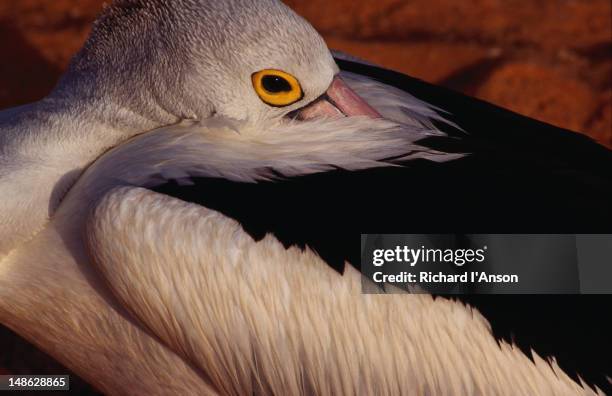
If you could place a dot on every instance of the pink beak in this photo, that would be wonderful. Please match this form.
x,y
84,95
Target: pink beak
x,y
338,101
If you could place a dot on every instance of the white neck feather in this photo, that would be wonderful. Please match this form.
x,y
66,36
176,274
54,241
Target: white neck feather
x,y
44,147
223,149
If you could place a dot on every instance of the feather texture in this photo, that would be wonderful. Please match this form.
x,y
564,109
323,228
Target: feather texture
x,y
262,319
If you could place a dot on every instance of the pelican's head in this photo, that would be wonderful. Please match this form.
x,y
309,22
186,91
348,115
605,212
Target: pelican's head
x,y
250,60
152,63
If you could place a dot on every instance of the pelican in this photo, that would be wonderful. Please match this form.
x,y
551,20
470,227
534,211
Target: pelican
x,y
106,265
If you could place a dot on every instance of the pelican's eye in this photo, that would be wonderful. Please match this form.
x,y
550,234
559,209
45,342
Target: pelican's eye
x,y
277,88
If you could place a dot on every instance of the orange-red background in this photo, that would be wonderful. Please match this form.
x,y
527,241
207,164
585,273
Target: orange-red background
x,y
549,59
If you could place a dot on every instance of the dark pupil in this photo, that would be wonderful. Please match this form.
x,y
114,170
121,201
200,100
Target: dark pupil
x,y
275,84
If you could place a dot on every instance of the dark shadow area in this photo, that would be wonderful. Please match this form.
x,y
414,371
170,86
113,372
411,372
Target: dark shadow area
x,y
25,76
469,78
573,329
22,358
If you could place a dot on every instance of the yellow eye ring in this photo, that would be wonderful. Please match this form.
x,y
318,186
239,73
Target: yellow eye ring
x,y
276,88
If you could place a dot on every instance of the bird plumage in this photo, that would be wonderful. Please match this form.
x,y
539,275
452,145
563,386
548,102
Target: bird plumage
x,y
141,293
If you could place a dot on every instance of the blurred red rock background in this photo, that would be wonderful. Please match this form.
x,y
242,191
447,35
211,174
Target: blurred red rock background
x,y
548,59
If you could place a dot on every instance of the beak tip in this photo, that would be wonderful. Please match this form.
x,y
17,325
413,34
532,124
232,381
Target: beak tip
x,y
339,100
